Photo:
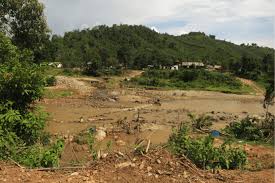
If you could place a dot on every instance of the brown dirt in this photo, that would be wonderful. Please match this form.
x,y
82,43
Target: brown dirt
x,y
157,166
257,89
97,103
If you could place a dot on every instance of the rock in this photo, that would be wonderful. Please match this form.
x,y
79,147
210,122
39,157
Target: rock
x,y
125,164
120,143
185,174
222,118
141,166
100,135
91,119
104,155
115,93
71,138
149,168
158,161
75,174
120,153
159,172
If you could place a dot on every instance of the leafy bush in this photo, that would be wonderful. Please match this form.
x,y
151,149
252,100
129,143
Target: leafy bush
x,y
91,143
189,78
8,52
50,81
203,153
20,83
200,122
37,156
253,129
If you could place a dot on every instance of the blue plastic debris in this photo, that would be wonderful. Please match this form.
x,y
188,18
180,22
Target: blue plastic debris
x,y
215,133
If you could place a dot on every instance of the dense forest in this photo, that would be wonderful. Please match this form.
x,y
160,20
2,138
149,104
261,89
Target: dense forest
x,y
136,47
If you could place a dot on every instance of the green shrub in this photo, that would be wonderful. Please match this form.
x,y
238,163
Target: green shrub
x,y
203,153
21,84
50,81
21,126
91,143
252,129
37,156
189,79
26,126
201,121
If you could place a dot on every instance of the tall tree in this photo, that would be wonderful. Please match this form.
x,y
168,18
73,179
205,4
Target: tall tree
x,y
25,23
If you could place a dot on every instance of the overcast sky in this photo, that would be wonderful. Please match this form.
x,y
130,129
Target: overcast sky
x,y
237,21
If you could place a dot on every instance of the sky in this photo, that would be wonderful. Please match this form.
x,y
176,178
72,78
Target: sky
x,y
238,21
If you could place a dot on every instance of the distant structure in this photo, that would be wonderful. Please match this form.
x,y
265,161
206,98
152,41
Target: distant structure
x,y
175,67
192,65
56,64
214,67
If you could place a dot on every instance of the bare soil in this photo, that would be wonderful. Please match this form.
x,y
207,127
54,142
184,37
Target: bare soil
x,y
129,115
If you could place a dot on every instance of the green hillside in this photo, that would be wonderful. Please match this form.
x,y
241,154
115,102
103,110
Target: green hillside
x,y
138,46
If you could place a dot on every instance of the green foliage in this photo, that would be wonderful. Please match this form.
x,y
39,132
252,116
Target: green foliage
x,y
26,126
8,51
253,129
25,22
20,83
138,46
36,156
203,153
59,93
246,129
50,81
189,79
21,126
201,121
91,144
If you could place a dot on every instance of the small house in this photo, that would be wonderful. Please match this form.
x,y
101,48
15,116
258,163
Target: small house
x,y
175,67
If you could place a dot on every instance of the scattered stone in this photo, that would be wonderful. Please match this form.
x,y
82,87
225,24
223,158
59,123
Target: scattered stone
x,y
149,168
91,119
222,118
159,172
120,143
120,153
142,165
100,135
185,174
158,161
75,174
125,164
104,155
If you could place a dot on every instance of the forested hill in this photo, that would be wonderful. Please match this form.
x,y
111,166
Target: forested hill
x,y
139,46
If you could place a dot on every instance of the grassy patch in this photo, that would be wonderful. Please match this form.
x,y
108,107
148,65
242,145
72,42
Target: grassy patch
x,y
62,72
204,153
191,80
60,93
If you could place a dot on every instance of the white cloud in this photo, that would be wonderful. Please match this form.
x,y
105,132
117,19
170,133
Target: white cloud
x,y
203,15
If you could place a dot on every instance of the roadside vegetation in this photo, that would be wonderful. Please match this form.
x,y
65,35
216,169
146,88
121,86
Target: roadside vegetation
x,y
204,153
191,79
22,136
